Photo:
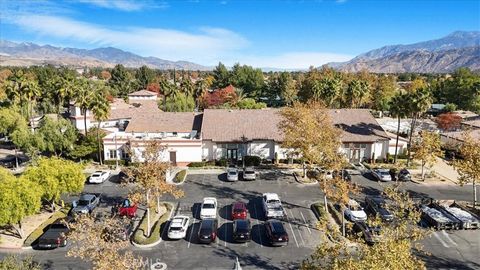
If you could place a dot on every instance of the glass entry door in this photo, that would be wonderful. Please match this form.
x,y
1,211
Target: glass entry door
x,y
232,155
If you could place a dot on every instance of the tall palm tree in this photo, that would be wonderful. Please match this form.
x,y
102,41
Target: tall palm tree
x,y
199,89
168,90
100,109
83,98
356,92
398,109
418,103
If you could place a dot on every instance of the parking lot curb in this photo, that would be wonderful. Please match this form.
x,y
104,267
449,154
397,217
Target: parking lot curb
x,y
300,182
160,240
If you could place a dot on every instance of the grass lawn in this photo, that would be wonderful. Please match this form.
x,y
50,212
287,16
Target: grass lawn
x,y
180,176
62,213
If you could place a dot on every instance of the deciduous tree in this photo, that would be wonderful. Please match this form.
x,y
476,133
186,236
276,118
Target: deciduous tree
x,y
427,149
57,135
469,166
448,121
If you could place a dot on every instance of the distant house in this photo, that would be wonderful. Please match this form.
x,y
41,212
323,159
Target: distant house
x,y
453,140
402,144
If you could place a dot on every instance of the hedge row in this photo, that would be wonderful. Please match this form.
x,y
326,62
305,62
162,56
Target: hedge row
x,y
155,233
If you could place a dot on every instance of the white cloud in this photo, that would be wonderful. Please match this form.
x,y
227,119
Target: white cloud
x,y
125,5
205,45
295,60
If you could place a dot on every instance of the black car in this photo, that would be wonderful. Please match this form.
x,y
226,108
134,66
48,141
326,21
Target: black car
x,y
208,231
54,236
276,233
371,234
376,205
241,230
404,175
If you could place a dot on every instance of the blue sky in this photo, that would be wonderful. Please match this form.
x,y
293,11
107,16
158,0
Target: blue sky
x,y
283,34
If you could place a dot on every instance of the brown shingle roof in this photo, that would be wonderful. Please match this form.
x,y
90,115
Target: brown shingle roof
x,y
143,93
162,122
119,109
223,125
472,123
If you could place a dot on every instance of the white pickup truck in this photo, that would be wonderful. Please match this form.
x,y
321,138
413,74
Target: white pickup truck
x,y
272,206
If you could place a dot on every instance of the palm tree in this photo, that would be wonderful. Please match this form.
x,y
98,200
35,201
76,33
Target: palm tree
x,y
168,90
100,109
83,98
398,109
199,89
356,92
418,103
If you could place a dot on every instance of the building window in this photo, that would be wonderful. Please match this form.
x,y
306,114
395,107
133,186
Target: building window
x,y
113,153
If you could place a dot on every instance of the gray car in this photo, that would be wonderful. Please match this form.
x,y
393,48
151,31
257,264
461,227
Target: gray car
x,y
85,204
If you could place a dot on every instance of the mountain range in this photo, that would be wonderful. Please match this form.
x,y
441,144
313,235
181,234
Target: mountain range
x,y
459,49
27,54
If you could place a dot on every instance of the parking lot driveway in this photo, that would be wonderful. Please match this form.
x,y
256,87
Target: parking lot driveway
x,y
257,254
453,249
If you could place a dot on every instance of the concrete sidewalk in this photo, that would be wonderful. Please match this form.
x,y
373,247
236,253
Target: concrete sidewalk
x,y
444,173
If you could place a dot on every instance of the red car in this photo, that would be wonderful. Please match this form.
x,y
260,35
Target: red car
x,y
239,210
127,208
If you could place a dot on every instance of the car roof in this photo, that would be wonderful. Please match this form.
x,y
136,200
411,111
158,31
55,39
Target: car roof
x,y
209,200
207,222
383,170
242,223
239,205
271,196
276,225
249,168
87,196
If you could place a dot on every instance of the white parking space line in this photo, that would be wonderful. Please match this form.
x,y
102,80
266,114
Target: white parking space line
x,y
306,224
448,238
291,229
225,239
440,240
194,220
299,231
258,223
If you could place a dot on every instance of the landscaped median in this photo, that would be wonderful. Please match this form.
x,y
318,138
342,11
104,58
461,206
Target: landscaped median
x,y
331,219
180,177
140,239
32,238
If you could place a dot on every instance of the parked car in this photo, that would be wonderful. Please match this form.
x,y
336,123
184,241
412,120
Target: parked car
x,y
241,230
354,212
178,227
404,175
209,208
382,175
86,204
208,230
272,206
232,174
99,177
371,234
376,205
126,208
249,173
54,235
276,233
239,210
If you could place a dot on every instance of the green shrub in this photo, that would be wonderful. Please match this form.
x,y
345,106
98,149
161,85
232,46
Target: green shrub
x,y
155,233
221,162
180,177
197,164
111,162
319,211
252,160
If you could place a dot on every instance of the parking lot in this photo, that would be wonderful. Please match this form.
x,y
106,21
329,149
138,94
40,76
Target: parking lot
x,y
448,249
300,224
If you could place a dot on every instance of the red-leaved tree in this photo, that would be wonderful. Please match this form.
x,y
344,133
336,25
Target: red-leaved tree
x,y
218,97
448,121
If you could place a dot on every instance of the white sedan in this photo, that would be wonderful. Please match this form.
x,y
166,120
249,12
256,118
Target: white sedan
x,y
232,174
209,208
354,212
382,175
178,227
99,177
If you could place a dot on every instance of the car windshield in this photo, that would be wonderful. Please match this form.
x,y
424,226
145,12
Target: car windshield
x,y
175,227
355,208
208,205
83,202
249,172
278,228
385,173
273,201
232,172
238,210
95,175
242,226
